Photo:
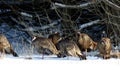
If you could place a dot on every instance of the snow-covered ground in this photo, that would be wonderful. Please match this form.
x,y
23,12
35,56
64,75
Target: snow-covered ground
x,y
53,68
59,69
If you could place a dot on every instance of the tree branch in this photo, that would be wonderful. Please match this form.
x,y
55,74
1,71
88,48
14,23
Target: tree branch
x,y
109,3
59,5
26,14
36,28
112,5
89,24
31,33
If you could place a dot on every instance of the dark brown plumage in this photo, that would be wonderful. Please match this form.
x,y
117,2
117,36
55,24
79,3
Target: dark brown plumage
x,y
70,48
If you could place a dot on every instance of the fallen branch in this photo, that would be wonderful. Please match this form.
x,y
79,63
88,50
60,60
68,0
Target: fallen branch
x,y
89,24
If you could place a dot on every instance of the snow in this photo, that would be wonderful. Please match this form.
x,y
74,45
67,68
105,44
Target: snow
x,y
30,66
24,69
52,68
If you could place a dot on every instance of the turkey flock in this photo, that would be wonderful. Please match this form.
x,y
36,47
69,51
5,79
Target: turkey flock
x,y
64,47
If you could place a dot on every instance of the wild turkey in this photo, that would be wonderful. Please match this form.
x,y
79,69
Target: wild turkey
x,y
6,47
85,42
104,47
44,43
70,48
